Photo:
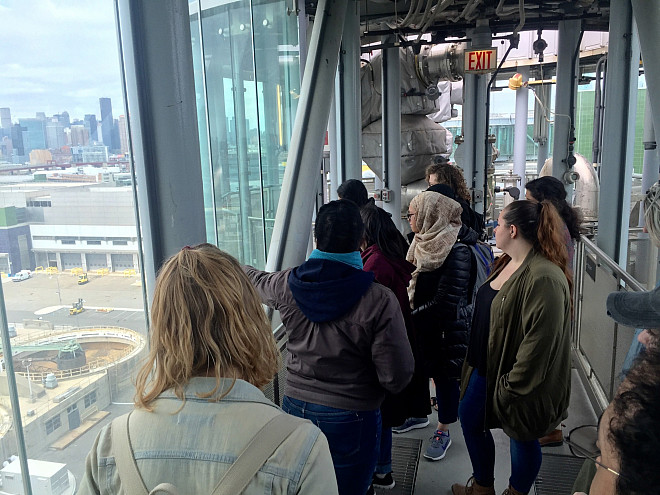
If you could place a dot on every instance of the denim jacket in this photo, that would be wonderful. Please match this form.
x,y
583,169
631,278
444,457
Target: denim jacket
x,y
194,446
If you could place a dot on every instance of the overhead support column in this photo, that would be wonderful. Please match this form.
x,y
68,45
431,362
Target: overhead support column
x,y
647,18
157,71
541,125
391,111
618,133
520,131
646,266
565,97
294,211
475,133
348,100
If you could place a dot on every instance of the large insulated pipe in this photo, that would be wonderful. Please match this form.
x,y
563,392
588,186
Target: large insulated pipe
x,y
520,130
650,168
440,63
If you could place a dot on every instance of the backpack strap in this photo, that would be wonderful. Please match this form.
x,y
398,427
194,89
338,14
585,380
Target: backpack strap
x,y
126,467
256,453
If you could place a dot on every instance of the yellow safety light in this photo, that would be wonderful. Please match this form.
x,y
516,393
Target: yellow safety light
x,y
516,82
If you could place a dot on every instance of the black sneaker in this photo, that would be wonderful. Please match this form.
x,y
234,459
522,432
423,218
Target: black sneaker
x,y
386,482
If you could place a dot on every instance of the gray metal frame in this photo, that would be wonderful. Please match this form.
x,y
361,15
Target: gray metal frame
x,y
618,133
391,125
160,91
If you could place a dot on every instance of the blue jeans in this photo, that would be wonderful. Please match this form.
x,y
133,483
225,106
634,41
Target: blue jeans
x,y
353,437
525,456
384,464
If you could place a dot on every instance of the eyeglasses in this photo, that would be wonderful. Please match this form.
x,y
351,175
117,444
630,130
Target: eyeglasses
x,y
582,442
410,215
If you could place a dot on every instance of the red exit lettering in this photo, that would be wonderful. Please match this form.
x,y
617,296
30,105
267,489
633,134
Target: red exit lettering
x,y
480,60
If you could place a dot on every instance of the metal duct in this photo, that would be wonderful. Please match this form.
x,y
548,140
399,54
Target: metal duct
x,y
440,63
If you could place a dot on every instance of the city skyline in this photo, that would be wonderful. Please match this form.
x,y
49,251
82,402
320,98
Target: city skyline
x,y
58,56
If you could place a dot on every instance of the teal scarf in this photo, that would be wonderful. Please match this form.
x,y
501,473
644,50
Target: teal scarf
x,y
352,259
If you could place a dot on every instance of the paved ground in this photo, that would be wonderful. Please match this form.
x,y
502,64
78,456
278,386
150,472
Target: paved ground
x,y
41,295
49,297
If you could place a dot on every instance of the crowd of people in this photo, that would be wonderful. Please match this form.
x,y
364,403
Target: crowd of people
x,y
370,320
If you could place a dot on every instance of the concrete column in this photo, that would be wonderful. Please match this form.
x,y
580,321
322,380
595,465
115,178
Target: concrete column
x,y
348,116
58,257
520,131
108,260
294,211
391,121
566,93
83,261
618,133
157,71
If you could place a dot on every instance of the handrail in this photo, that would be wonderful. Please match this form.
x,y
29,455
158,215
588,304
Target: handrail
x,y
609,262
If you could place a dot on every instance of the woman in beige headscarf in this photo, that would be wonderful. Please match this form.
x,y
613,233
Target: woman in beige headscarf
x,y
440,296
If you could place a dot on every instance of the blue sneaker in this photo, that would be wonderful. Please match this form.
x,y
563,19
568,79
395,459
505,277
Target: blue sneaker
x,y
440,442
411,424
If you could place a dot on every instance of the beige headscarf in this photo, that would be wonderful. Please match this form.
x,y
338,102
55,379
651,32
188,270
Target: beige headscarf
x,y
438,219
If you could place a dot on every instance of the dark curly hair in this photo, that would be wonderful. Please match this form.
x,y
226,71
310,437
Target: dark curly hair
x,y
338,227
449,174
552,189
635,426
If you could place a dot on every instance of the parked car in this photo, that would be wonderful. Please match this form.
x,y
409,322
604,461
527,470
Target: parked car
x,y
22,275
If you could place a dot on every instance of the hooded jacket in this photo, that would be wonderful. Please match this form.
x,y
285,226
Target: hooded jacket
x,y
346,338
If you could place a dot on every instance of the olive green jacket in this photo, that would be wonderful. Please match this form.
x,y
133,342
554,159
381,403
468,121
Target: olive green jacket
x,y
529,351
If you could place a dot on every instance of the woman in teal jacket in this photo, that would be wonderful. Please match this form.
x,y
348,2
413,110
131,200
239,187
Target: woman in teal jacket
x,y
517,371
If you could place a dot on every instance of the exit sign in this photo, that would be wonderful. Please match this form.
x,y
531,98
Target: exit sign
x,y
481,60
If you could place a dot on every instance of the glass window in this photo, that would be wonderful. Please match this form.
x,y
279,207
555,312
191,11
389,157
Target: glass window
x,y
251,82
73,282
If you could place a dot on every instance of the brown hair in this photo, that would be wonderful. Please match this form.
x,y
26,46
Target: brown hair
x,y
452,176
206,320
541,225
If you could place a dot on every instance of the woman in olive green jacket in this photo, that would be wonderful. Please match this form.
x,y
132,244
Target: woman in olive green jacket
x,y
517,371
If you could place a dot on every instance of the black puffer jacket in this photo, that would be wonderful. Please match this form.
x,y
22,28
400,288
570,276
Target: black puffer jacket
x,y
442,313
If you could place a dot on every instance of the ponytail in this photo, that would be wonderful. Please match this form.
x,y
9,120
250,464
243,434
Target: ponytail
x,y
541,225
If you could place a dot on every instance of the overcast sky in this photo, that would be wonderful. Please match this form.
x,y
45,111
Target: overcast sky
x,y
58,55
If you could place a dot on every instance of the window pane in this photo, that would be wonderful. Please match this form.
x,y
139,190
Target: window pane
x,y
72,286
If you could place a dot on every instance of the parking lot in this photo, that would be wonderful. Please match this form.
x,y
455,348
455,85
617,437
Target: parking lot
x,y
109,300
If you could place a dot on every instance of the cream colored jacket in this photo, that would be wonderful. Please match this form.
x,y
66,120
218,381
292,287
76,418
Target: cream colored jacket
x,y
193,447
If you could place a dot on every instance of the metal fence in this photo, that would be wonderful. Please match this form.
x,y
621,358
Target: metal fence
x,y
601,344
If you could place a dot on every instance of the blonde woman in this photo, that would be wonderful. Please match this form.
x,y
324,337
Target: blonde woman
x,y
198,402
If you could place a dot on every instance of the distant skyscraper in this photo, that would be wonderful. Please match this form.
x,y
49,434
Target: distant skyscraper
x,y
123,134
17,139
65,119
41,115
115,136
79,135
34,134
55,135
107,122
5,118
90,123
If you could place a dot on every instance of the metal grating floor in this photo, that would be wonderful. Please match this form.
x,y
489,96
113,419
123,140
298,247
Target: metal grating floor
x,y
557,475
405,458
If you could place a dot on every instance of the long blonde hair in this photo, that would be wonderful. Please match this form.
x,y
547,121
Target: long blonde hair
x,y
207,320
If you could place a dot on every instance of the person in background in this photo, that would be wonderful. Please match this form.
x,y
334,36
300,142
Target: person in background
x,y
443,172
346,341
438,294
553,190
629,431
354,190
384,253
198,402
651,207
517,374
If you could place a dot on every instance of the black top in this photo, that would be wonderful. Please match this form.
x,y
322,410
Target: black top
x,y
478,348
